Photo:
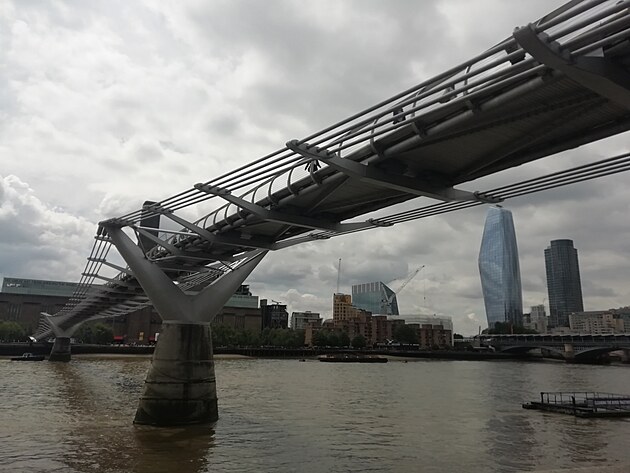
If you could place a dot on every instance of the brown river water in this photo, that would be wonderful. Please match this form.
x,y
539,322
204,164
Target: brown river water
x,y
291,416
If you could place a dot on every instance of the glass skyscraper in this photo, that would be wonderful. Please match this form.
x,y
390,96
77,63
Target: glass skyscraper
x,y
563,282
499,269
375,297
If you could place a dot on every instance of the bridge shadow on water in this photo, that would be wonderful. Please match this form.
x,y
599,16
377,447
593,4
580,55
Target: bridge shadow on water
x,y
189,449
100,436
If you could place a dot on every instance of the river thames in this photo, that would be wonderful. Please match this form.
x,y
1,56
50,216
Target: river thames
x,y
291,416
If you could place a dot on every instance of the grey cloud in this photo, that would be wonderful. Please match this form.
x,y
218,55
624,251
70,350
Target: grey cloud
x,y
592,289
147,151
169,145
34,236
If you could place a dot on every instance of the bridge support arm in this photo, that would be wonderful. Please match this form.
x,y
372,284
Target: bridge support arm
x,y
166,297
168,300
598,74
373,175
257,243
180,387
282,217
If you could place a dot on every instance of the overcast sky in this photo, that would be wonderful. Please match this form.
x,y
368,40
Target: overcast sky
x,y
105,104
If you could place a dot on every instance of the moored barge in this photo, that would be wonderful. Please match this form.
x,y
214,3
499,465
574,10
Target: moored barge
x,y
352,358
583,404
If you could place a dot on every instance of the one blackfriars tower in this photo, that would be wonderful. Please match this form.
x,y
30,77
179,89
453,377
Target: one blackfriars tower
x,y
499,269
563,282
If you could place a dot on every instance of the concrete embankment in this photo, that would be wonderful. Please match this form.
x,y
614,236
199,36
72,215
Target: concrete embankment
x,y
16,349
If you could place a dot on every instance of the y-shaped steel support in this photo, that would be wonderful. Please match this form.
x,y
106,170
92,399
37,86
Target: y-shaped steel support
x,y
180,387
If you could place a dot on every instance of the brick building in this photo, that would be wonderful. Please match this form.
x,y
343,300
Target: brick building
x,y
379,329
432,336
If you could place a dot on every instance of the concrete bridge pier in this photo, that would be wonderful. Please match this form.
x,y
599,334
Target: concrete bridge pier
x,y
569,352
625,355
180,387
60,350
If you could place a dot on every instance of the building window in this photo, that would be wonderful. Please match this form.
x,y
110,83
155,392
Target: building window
x,y
14,311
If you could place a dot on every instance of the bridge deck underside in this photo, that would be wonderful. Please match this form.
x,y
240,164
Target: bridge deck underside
x,y
552,115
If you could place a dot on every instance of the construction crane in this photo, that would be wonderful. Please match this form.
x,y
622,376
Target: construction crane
x,y
387,303
338,275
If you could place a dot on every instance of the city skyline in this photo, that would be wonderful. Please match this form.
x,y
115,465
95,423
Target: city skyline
x,y
150,131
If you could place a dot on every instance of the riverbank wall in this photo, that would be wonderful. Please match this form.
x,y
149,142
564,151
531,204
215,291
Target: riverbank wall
x,y
17,349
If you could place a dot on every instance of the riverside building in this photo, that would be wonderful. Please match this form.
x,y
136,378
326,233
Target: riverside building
x,y
23,300
499,269
537,319
375,297
441,323
596,322
241,311
300,319
563,282
431,336
431,331
274,315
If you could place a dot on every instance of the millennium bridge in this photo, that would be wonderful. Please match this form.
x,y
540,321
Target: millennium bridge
x,y
553,85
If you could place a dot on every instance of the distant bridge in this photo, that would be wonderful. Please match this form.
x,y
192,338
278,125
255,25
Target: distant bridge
x,y
579,347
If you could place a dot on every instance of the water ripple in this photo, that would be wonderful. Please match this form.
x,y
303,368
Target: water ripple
x,y
285,416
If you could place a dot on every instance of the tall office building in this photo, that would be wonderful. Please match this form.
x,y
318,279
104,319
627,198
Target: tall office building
x,y
499,269
563,282
375,297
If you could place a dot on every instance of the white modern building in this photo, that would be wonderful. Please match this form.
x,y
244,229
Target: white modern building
x,y
300,319
537,319
596,322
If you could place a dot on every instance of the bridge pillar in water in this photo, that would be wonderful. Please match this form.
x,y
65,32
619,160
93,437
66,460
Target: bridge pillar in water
x,y
569,352
60,350
180,387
